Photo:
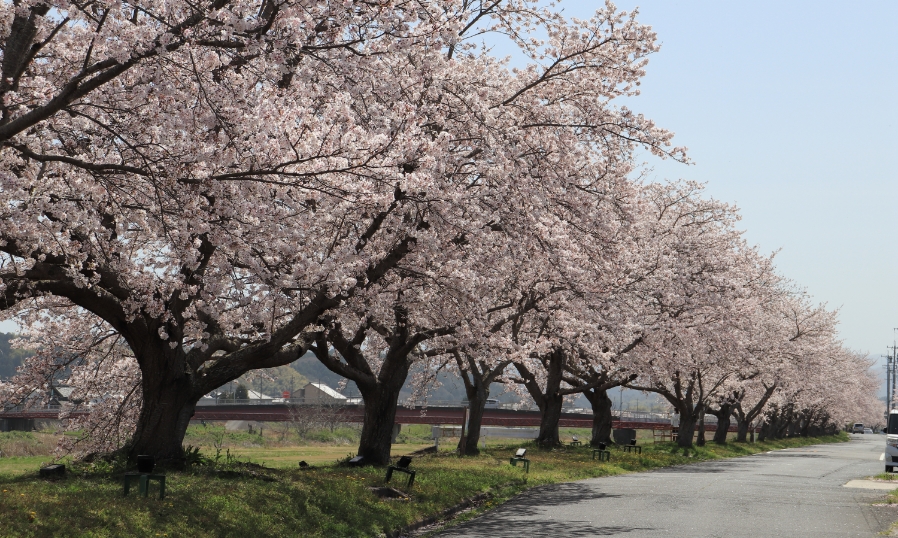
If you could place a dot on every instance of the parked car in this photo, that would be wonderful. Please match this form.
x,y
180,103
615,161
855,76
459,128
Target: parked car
x,y
891,455
857,428
868,430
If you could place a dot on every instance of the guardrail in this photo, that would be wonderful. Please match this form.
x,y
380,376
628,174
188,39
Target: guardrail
x,y
31,408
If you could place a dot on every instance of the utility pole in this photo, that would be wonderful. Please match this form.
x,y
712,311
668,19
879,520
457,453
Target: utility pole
x,y
620,404
888,367
891,371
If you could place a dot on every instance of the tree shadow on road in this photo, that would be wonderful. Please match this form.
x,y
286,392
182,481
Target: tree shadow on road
x,y
567,494
698,468
794,455
500,527
513,518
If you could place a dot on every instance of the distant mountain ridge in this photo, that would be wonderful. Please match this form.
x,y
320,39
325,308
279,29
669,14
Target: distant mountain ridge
x,y
10,358
451,388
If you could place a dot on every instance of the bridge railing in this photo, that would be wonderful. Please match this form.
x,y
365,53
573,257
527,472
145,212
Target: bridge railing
x,y
31,408
279,401
625,416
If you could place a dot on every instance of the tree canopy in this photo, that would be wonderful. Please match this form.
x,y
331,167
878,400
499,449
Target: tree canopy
x,y
191,192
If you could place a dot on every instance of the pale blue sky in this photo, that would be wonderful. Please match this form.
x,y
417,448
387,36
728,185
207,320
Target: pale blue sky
x,y
789,111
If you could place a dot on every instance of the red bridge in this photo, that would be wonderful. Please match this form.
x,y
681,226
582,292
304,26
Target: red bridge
x,y
404,415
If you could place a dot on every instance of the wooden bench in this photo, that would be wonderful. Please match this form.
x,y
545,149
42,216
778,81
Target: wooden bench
x,y
664,434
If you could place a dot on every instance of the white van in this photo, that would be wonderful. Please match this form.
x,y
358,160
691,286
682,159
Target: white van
x,y
857,428
891,455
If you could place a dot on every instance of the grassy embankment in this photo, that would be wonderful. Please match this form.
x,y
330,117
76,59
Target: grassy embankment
x,y
237,498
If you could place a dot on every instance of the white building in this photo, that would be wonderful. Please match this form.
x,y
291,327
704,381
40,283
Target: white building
x,y
321,393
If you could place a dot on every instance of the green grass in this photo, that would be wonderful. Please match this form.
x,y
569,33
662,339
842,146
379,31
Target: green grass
x,y
892,498
17,443
273,434
242,499
22,464
279,457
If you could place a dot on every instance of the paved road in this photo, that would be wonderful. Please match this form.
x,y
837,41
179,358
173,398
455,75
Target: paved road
x,y
794,492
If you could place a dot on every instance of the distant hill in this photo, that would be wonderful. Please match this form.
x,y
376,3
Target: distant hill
x,y
451,388
10,358
312,369
308,369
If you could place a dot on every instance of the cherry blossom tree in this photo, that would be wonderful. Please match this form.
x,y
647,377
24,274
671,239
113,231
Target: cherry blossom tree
x,y
711,281
531,159
838,388
153,156
783,340
190,192
84,353
212,181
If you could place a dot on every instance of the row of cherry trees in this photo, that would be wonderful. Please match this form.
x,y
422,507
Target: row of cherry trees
x,y
687,311
193,191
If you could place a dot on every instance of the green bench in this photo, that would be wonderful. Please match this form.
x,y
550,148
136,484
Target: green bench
x,y
143,483
604,455
519,457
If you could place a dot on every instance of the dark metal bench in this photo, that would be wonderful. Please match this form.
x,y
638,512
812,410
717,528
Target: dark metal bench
x,y
519,457
402,467
604,455
143,483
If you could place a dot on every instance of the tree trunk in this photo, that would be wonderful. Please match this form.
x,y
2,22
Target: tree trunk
x,y
163,420
550,402
477,395
380,391
169,400
701,430
766,426
548,423
601,416
775,431
381,402
746,419
742,434
687,429
805,425
787,428
723,423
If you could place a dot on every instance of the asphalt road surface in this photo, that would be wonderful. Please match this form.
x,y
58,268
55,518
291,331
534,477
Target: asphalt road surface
x,y
793,492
